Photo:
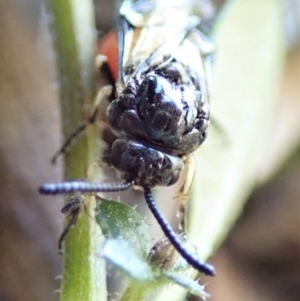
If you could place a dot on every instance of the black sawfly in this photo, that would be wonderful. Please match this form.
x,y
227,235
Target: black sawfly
x,y
160,111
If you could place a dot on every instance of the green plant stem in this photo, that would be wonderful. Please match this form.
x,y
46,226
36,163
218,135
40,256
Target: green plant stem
x,y
74,31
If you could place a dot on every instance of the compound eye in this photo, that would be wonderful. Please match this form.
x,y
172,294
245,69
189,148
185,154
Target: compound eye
x,y
161,121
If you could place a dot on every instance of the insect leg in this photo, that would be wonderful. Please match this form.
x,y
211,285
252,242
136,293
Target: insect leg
x,y
73,209
183,195
103,94
101,64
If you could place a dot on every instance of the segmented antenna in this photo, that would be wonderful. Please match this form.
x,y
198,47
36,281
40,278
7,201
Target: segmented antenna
x,y
81,186
191,259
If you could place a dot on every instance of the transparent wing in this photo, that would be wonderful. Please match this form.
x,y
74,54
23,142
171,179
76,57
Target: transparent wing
x,y
151,32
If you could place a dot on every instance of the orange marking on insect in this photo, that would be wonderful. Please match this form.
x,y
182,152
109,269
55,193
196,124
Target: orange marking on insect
x,y
108,46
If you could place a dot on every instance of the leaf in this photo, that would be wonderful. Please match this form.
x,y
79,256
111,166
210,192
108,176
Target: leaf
x,y
127,246
118,220
247,72
191,285
123,255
